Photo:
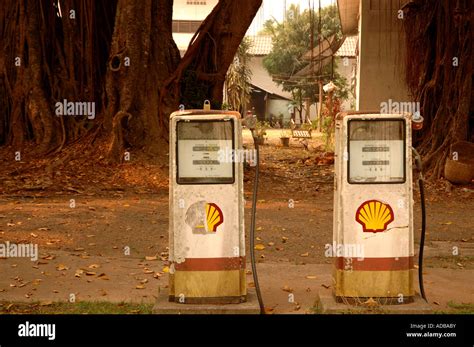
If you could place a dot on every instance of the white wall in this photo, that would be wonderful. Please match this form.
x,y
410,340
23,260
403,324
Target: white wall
x,y
279,106
183,11
347,72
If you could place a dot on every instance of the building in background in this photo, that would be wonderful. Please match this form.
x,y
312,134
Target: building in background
x,y
380,72
187,17
346,62
268,98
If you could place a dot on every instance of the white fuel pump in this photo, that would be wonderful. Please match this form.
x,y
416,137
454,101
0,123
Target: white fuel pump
x,y
373,208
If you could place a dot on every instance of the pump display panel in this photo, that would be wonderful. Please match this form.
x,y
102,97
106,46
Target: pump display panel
x,y
376,149
201,151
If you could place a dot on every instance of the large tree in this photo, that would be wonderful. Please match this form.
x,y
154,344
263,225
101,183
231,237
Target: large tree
x,y
119,54
292,39
440,72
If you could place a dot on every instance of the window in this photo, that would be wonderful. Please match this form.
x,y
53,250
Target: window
x,y
186,26
376,151
200,147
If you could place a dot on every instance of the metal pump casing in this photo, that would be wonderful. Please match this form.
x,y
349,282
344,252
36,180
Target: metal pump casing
x,y
373,209
206,210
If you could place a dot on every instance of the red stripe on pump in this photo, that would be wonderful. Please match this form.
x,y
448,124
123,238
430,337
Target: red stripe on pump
x,y
374,264
211,264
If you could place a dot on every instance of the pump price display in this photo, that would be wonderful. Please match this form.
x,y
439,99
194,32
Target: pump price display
x,y
376,151
199,144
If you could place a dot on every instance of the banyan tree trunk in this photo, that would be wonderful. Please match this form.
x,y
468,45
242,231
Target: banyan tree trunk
x,y
440,72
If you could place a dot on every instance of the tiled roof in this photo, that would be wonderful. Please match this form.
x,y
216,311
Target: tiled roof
x,y
260,44
348,48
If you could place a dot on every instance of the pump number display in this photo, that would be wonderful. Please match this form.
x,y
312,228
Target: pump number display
x,y
376,151
199,143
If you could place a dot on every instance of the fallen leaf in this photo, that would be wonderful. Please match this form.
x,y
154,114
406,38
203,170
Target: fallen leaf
x,y
304,254
259,247
371,302
151,258
43,229
325,286
269,310
103,276
61,267
311,277
90,273
287,289
436,303
139,286
93,266
166,269
446,223
34,235
46,303
78,273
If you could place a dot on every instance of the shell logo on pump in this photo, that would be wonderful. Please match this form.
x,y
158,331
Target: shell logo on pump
x,y
374,216
204,217
214,216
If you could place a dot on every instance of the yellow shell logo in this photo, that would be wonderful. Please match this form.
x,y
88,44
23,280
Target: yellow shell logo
x,y
374,216
214,217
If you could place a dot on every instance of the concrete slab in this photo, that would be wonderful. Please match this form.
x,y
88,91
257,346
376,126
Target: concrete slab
x,y
326,304
163,306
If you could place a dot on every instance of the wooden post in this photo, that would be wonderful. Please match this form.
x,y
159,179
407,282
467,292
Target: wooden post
x,y
320,107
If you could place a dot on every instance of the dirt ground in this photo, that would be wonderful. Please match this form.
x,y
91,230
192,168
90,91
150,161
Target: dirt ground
x,y
103,232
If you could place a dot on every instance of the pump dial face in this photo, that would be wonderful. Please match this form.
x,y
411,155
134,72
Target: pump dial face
x,y
376,151
204,152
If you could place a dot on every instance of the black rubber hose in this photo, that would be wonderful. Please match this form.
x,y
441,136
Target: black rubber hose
x,y
252,226
419,166
422,238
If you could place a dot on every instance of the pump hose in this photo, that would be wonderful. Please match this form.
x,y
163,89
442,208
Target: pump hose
x,y
423,222
252,226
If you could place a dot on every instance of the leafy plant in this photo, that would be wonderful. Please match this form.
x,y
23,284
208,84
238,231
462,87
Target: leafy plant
x,y
237,83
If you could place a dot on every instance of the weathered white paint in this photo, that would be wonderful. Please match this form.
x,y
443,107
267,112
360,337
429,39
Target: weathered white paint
x,y
229,239
397,240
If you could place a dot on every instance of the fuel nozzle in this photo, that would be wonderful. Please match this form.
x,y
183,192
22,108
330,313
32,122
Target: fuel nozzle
x,y
250,121
418,163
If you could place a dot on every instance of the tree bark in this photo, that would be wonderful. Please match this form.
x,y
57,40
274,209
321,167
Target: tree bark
x,y
441,79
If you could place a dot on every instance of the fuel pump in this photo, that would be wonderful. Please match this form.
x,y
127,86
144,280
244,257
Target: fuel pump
x,y
206,220
206,230
373,208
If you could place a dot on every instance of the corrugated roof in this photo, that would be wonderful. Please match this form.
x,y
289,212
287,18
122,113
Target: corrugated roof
x,y
261,79
260,44
348,48
348,14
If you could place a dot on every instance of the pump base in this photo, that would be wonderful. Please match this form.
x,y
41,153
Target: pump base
x,y
164,306
326,303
